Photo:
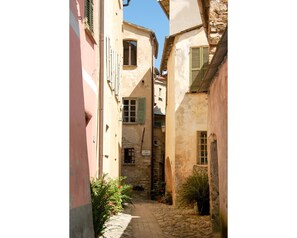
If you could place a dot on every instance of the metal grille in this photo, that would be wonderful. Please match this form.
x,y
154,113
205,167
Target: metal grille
x,y
202,147
129,157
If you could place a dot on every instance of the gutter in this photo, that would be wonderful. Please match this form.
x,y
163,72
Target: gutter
x,y
101,87
153,39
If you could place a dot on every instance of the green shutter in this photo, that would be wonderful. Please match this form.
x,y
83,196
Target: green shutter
x,y
141,110
196,62
89,14
205,55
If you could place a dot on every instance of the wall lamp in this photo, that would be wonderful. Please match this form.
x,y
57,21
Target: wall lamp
x,y
127,4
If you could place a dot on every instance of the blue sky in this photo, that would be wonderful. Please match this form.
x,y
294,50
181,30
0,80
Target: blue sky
x,y
149,14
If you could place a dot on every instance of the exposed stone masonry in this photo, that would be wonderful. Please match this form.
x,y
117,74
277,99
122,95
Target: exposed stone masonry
x,y
218,19
137,174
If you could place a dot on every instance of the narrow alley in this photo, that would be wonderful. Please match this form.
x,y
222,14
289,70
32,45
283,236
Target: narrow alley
x,y
147,218
148,112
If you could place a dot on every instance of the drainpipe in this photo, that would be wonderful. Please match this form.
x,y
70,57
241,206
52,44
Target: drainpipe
x,y
152,101
101,87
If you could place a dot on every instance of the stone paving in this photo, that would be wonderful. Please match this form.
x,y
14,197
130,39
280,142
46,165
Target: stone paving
x,y
150,219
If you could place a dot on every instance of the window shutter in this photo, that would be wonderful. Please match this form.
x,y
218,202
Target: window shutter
x,y
89,13
141,110
195,63
205,55
196,58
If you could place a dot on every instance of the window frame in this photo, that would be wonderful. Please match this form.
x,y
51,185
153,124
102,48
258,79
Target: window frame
x,y
202,143
129,110
131,157
130,52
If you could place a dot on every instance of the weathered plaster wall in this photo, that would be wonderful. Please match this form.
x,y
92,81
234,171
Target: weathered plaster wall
x,y
112,137
186,113
183,43
218,130
183,15
190,117
137,82
170,125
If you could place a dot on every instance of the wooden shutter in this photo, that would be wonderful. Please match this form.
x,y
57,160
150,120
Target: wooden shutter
x,y
195,63
204,62
141,110
89,14
205,55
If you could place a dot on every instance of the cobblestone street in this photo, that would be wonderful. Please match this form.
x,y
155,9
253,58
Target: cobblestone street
x,y
150,219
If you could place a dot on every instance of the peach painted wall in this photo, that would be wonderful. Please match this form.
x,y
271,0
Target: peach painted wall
x,y
112,124
186,113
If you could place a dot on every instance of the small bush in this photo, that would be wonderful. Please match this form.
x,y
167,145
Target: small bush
x,y
125,190
108,197
120,194
101,205
196,189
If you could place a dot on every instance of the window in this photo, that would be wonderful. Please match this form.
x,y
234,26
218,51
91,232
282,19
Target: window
x,y
198,63
89,15
129,156
202,147
129,112
130,52
134,110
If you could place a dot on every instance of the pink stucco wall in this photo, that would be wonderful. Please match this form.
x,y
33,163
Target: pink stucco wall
x,y
90,75
218,126
81,222
79,169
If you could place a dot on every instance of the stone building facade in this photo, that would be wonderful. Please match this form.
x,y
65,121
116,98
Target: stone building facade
x,y
140,49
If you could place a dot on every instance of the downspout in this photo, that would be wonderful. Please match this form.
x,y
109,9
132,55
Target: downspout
x,y
101,87
153,102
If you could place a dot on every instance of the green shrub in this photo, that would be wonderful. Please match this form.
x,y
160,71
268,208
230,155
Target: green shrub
x,y
108,196
101,206
120,194
125,191
196,189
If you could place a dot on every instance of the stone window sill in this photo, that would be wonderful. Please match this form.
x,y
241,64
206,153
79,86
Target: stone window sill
x,y
129,67
129,164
